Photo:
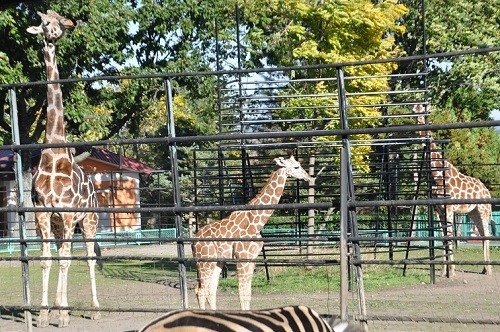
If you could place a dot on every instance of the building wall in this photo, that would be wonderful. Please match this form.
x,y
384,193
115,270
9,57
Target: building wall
x,y
115,188
9,220
118,190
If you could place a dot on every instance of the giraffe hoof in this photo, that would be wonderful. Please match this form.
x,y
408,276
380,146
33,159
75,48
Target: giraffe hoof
x,y
43,319
446,274
63,319
449,276
95,315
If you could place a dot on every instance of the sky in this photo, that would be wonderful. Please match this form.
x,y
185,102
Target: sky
x,y
495,114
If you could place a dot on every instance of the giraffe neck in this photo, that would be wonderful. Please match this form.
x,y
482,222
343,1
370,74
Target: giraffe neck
x,y
445,175
269,194
54,126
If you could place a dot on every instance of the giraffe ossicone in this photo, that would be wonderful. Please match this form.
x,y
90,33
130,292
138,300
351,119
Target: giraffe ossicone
x,y
449,182
59,182
245,224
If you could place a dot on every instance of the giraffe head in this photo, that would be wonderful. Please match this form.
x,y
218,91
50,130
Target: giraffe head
x,y
421,110
52,27
293,168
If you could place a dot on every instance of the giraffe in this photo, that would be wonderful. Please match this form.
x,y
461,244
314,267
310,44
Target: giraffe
x,y
240,224
60,182
449,182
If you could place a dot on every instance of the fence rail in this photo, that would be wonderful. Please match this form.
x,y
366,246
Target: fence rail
x,y
372,199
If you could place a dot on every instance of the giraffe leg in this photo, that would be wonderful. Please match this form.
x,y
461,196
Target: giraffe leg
x,y
486,254
245,274
91,264
214,283
89,233
245,269
202,287
62,284
448,269
43,220
481,216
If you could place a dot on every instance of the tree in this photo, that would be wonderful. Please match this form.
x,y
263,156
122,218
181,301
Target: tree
x,y
463,88
95,46
314,32
112,38
295,32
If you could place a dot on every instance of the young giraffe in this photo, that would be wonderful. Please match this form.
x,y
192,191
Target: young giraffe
x,y
240,224
457,186
60,182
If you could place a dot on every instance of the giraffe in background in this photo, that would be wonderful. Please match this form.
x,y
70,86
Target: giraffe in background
x,y
60,182
449,182
240,224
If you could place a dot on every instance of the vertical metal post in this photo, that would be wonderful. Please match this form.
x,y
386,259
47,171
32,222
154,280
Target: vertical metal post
x,y
387,196
414,210
430,224
344,194
244,157
220,155
194,216
430,218
424,37
220,164
311,212
177,195
20,204
111,199
350,217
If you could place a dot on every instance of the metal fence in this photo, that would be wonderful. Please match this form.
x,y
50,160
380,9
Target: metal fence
x,y
365,197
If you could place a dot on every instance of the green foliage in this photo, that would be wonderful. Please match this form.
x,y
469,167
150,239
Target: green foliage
x,y
147,36
306,32
95,46
290,31
111,38
464,88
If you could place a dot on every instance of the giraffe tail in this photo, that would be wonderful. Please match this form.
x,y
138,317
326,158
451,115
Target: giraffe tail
x,y
99,260
493,227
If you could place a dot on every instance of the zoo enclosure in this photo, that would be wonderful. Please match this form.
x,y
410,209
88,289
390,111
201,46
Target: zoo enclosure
x,y
373,208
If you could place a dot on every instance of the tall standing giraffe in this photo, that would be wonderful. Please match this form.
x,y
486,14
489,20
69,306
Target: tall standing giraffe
x,y
449,182
240,224
60,182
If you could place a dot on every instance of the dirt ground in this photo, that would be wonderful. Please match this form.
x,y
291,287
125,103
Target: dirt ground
x,y
469,296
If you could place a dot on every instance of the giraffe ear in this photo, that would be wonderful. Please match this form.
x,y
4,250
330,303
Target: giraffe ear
x,y
35,30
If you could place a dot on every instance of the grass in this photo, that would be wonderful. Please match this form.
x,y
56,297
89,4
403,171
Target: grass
x,y
118,274
294,279
376,277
